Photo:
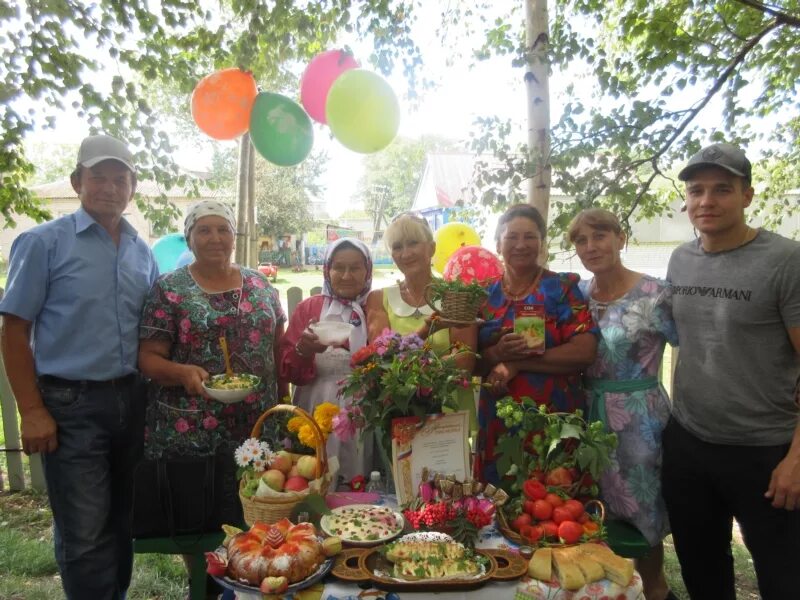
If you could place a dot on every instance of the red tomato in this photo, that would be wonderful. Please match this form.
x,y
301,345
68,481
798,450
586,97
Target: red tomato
x,y
542,510
533,533
521,521
570,532
575,508
533,489
525,531
550,529
554,500
561,514
558,476
584,518
528,507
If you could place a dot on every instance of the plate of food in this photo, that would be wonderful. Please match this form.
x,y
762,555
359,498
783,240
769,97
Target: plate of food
x,y
363,524
231,388
428,562
272,559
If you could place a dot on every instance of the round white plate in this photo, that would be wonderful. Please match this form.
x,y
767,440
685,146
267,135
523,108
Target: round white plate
x,y
361,512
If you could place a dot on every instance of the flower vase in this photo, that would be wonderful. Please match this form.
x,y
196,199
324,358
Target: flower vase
x,y
383,442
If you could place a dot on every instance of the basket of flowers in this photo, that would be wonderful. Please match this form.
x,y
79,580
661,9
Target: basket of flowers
x,y
551,463
272,482
456,301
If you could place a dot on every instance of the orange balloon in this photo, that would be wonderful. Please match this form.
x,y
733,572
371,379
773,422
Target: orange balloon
x,y
221,103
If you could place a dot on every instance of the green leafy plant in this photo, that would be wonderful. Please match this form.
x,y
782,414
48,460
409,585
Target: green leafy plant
x,y
560,448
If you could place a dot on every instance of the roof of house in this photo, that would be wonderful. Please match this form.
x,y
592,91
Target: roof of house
x,y
62,189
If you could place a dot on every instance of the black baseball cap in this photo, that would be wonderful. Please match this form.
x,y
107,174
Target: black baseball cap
x,y
725,156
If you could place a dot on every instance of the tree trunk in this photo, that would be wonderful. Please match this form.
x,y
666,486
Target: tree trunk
x,y
241,199
252,224
537,35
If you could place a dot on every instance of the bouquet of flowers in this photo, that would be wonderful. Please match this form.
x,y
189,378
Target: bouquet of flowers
x,y
397,376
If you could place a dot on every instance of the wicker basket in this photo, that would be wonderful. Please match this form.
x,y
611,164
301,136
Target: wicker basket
x,y
271,508
511,535
455,306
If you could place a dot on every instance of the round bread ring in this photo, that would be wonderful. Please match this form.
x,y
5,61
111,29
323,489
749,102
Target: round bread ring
x,y
251,558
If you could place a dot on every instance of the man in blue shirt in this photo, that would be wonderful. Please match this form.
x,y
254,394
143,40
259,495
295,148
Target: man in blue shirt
x,y
75,291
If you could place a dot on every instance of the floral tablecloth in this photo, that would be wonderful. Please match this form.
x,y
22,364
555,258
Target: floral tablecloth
x,y
523,589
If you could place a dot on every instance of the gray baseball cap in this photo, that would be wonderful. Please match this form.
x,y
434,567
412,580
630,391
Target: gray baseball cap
x,y
725,156
97,148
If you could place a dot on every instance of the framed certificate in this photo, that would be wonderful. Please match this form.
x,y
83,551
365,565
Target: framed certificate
x,y
438,443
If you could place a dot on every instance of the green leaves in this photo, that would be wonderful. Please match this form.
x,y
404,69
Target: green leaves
x,y
541,440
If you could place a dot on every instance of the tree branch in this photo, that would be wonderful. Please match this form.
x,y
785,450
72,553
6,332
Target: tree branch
x,y
780,16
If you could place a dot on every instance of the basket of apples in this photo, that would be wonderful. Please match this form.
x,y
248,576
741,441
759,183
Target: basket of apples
x,y
552,462
272,483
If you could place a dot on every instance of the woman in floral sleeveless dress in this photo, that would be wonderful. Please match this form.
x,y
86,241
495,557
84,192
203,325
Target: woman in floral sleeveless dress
x,y
634,314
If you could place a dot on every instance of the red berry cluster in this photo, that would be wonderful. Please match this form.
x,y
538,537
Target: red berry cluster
x,y
438,514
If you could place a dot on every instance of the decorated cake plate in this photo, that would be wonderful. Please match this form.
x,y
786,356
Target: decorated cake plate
x,y
246,588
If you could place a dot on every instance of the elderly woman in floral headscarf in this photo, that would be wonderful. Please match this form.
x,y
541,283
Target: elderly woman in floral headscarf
x,y
187,312
315,368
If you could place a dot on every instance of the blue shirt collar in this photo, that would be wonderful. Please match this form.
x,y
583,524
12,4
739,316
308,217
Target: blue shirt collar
x,y
83,220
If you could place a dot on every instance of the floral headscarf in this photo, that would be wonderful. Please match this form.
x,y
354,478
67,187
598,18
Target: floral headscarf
x,y
336,306
208,208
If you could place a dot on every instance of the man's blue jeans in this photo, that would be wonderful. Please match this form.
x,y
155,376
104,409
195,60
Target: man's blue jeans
x,y
90,484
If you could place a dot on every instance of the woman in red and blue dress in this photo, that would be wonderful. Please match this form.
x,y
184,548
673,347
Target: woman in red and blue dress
x,y
511,366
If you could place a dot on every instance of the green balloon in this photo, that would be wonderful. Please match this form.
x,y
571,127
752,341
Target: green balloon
x,y
362,111
280,129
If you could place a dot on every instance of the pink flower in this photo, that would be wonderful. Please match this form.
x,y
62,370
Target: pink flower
x,y
251,398
257,282
254,336
210,422
184,338
173,297
185,324
181,425
245,307
343,426
160,313
223,321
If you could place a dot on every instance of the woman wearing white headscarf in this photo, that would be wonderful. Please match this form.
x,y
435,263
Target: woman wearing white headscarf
x,y
187,312
317,369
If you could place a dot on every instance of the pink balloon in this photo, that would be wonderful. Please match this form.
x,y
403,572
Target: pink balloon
x,y
473,263
318,78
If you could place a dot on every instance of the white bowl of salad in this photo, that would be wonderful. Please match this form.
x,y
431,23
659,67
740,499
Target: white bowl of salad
x,y
231,389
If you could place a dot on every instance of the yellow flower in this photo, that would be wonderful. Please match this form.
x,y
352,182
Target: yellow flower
x,y
323,415
307,437
295,424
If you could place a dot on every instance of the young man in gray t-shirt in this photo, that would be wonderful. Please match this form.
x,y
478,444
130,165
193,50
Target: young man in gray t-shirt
x,y
732,447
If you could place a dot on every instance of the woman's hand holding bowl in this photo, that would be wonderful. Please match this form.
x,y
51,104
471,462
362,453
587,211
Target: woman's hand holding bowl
x,y
192,378
309,343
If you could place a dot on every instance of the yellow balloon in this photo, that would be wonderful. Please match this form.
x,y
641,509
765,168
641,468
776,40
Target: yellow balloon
x,y
449,238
